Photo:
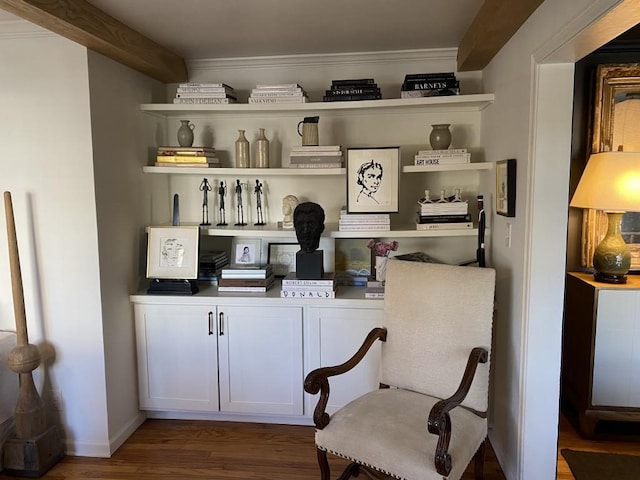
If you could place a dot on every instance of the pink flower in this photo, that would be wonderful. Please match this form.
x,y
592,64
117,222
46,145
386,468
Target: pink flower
x,y
382,249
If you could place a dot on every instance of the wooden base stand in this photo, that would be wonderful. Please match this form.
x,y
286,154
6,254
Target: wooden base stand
x,y
33,457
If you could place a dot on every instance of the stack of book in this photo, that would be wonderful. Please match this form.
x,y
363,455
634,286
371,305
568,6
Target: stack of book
x,y
349,90
352,222
442,157
443,215
210,265
323,156
374,288
429,85
190,93
187,157
293,287
278,93
246,279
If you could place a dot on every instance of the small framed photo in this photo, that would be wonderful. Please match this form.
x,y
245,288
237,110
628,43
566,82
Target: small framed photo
x,y
245,252
282,256
373,180
172,252
506,187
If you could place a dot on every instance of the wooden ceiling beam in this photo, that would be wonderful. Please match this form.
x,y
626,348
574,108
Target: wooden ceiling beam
x,y
491,29
87,25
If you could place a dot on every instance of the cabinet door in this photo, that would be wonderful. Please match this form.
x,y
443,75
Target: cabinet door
x,y
337,333
616,359
260,354
177,358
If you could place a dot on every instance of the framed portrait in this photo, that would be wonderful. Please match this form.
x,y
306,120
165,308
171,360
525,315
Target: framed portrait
x,y
245,252
506,187
282,256
172,252
373,178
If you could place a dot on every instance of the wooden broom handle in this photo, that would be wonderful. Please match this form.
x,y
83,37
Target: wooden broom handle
x,y
16,277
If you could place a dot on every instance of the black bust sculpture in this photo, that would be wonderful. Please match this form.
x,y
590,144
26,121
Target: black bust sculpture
x,y
308,220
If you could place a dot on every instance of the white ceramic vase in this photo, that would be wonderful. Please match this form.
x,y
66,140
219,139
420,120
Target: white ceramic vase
x,y
381,268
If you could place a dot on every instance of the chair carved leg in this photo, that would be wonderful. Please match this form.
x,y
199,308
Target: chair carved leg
x,y
479,457
325,472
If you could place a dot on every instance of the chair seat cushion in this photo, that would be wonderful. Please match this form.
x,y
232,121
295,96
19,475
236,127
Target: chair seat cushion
x,y
387,429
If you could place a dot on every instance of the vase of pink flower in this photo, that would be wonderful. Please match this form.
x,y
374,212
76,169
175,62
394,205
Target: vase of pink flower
x,y
381,251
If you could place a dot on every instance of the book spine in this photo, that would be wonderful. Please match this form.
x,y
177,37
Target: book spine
x,y
442,152
204,90
443,218
434,84
200,85
245,282
429,76
205,95
203,100
316,165
186,164
373,228
242,289
298,282
277,93
278,86
277,100
347,98
374,295
443,155
318,148
316,159
306,294
198,152
429,93
440,161
358,81
185,159
352,91
444,226
359,216
333,154
308,288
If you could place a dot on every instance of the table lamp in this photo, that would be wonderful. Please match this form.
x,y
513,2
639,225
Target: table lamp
x,y
611,183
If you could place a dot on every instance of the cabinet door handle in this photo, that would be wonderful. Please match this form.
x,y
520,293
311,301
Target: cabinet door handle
x,y
210,323
221,323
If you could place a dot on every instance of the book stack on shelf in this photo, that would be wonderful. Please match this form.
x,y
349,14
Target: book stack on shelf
x,y
429,85
278,93
323,156
350,90
445,213
353,222
187,157
246,279
442,157
210,266
192,93
374,288
294,287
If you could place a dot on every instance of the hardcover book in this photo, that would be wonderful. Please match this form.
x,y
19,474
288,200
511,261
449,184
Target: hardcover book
x,y
291,280
307,294
203,100
347,82
444,226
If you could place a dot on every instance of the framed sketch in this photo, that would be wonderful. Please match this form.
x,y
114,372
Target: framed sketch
x,y
506,187
245,252
282,256
373,178
353,257
172,252
616,113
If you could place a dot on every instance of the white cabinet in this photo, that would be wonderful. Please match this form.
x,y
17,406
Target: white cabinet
x,y
260,353
177,357
336,333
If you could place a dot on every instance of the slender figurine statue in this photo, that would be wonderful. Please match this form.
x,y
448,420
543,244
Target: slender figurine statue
x,y
258,191
222,191
239,208
205,188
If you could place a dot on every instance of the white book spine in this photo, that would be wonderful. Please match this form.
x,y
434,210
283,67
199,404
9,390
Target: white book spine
x,y
202,95
306,294
276,93
316,165
277,100
298,282
440,161
444,226
353,228
203,100
278,86
308,288
243,289
204,90
440,152
198,84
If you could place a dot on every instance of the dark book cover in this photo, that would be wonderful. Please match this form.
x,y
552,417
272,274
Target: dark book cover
x,y
429,76
352,91
357,81
430,85
443,218
347,98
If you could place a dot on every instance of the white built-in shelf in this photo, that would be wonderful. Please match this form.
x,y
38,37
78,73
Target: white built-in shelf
x,y
253,172
447,168
470,102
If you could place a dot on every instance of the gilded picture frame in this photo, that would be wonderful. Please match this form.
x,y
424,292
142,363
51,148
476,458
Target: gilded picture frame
x,y
616,114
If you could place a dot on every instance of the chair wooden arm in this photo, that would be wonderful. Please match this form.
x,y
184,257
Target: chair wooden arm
x,y
439,422
318,379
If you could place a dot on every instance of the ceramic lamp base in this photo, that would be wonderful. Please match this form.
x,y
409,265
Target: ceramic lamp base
x,y
611,259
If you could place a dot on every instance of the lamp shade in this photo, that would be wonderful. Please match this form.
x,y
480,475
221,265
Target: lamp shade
x,y
610,182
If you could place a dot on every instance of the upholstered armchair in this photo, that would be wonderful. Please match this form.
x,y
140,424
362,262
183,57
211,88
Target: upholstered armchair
x,y
428,419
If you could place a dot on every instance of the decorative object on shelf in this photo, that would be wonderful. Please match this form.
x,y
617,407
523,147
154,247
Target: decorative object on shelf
x,y
309,132
246,252
185,133
36,447
308,220
175,217
208,93
610,183
482,223
506,187
258,191
222,192
239,208
278,93
205,188
172,260
289,204
242,151
261,156
440,136
373,180
283,258
381,250
429,85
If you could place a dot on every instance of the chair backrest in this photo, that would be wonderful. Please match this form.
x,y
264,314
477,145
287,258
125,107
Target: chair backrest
x,y
435,314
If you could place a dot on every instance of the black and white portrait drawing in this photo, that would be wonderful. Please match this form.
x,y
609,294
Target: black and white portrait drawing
x,y
373,180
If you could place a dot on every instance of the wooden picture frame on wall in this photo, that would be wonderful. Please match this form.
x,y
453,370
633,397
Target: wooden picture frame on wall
x,y
616,115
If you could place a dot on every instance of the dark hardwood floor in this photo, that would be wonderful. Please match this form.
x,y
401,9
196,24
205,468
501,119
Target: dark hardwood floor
x,y
178,449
